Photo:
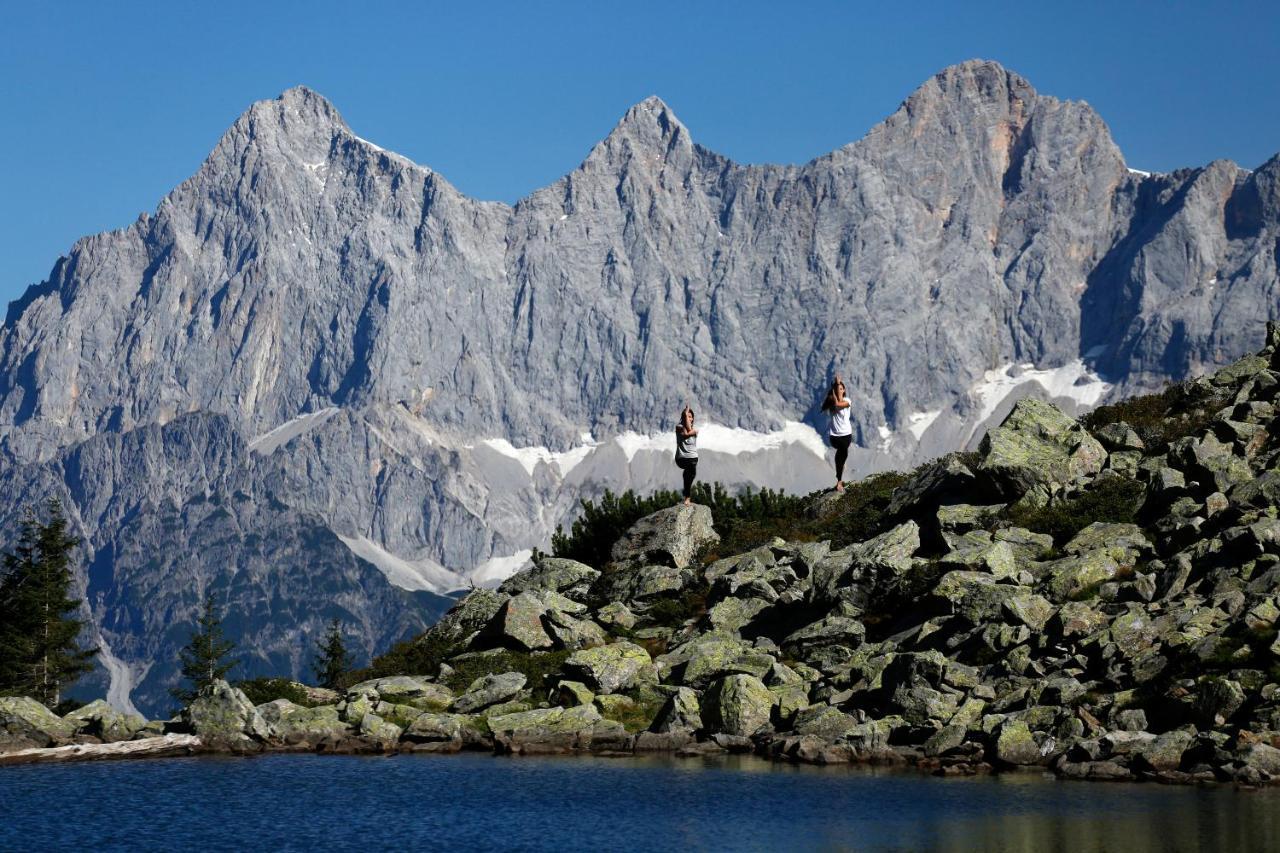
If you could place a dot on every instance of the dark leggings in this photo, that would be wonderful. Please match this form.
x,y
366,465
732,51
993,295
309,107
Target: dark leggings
x,y
841,444
690,469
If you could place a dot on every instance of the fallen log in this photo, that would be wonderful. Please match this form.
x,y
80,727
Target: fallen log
x,y
166,745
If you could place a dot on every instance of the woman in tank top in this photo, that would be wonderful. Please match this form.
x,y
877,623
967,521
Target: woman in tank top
x,y
840,433
687,451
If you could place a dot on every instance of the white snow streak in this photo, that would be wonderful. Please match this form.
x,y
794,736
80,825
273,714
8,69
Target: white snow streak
x,y
529,457
919,422
495,570
714,438
1139,173
1073,380
268,442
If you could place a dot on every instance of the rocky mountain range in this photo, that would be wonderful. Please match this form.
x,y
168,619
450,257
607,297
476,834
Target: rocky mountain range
x,y
320,381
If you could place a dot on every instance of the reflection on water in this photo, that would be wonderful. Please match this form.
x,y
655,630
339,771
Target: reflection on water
x,y
479,802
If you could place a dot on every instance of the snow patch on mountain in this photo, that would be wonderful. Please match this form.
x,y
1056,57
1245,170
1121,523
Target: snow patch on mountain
x,y
1073,381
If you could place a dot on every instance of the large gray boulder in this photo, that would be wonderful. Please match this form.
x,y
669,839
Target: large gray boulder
x,y
27,724
612,668
224,718
556,574
670,537
553,730
295,725
1038,445
489,690
100,720
736,705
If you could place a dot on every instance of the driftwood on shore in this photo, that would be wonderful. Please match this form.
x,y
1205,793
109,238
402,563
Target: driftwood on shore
x,y
172,744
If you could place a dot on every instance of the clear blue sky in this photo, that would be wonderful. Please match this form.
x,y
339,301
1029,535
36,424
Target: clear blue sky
x,y
107,106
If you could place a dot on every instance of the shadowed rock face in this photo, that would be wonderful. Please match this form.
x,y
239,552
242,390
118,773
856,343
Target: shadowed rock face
x,y
305,272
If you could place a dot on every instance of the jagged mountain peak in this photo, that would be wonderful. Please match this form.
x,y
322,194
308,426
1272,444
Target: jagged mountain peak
x,y
649,126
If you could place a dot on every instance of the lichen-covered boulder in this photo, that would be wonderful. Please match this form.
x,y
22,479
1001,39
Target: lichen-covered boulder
x,y
552,729
1102,535
736,705
974,596
703,659
1015,744
616,614
489,690
570,694
414,690
829,630
1079,575
612,668
446,733
467,617
682,712
570,633
382,733
26,724
100,720
825,722
518,625
1039,446
557,574
733,614
671,537
295,725
1027,608
863,564
224,718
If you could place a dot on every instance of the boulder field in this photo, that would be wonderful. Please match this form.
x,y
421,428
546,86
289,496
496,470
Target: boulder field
x,y
1098,599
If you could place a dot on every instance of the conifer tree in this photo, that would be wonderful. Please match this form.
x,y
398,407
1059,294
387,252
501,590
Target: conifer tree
x,y
39,652
332,660
205,657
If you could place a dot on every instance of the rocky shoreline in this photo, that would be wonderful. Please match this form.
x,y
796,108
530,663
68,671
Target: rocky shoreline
x,y
1097,599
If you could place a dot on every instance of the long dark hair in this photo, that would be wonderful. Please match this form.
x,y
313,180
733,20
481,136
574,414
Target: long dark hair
x,y
829,404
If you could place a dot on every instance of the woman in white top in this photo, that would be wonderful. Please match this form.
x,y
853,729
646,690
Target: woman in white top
x,y
841,431
687,451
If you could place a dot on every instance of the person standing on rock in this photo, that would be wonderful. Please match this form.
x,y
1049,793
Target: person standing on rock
x,y
687,451
840,432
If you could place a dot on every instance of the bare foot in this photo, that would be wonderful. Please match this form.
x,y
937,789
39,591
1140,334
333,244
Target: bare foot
x,y
840,486
688,502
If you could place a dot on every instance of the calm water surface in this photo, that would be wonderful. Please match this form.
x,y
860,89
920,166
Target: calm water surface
x,y
477,802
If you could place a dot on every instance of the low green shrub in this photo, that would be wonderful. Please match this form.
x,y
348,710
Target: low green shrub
x,y
537,667
260,690
1162,418
1112,499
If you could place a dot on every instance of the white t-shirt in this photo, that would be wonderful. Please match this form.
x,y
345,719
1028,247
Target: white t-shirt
x,y
840,424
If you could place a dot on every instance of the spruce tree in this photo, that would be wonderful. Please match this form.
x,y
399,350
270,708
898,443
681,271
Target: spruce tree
x,y
332,660
205,657
39,652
